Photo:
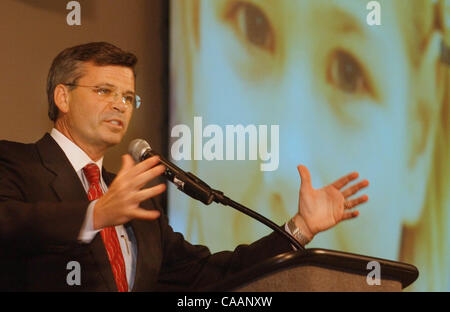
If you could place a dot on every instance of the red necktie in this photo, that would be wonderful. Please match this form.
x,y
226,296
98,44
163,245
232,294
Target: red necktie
x,y
109,234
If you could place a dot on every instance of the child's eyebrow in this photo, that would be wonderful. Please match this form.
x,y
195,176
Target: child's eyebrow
x,y
344,21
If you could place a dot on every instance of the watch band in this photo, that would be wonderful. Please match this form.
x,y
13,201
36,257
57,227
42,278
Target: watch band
x,y
302,239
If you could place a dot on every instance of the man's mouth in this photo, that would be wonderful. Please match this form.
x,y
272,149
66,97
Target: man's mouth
x,y
115,122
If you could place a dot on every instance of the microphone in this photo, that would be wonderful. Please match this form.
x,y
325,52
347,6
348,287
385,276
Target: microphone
x,y
185,181
194,187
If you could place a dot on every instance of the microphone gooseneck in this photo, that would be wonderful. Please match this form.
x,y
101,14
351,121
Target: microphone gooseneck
x,y
194,187
185,181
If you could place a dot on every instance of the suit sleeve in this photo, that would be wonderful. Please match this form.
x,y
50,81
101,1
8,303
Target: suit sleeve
x,y
190,267
27,226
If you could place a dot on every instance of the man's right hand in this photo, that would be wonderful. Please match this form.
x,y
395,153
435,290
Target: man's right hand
x,y
120,203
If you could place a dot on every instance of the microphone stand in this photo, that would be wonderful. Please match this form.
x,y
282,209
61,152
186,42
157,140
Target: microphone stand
x,y
197,189
220,198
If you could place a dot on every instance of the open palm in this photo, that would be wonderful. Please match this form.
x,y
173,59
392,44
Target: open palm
x,y
323,208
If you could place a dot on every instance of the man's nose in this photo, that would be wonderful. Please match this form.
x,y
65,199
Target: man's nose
x,y
118,103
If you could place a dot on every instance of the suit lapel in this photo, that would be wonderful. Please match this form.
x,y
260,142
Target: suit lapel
x,y
66,184
68,187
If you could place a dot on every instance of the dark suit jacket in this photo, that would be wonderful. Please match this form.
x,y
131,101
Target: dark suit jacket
x,y
42,208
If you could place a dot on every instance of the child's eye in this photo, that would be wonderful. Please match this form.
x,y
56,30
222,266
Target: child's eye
x,y
345,73
252,25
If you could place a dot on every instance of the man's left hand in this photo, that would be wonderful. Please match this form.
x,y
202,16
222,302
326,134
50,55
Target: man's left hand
x,y
321,209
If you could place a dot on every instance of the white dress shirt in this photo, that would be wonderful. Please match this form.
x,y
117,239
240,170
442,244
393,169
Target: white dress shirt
x,y
79,159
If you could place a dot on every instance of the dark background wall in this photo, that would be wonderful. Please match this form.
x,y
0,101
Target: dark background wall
x,y
33,32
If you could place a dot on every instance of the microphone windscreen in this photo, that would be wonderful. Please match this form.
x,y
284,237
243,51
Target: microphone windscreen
x,y
137,148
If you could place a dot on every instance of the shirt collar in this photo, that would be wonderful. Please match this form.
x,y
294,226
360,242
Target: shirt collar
x,y
77,157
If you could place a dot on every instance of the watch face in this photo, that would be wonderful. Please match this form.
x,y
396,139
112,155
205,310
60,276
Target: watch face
x,y
293,227
297,233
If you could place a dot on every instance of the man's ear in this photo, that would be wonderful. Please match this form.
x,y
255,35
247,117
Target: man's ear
x,y
61,97
423,119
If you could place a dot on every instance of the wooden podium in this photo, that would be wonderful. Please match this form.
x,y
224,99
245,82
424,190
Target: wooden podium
x,y
320,270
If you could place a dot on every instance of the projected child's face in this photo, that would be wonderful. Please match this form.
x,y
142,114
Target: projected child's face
x,y
341,92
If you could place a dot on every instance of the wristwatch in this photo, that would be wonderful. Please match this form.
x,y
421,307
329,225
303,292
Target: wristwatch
x,y
302,239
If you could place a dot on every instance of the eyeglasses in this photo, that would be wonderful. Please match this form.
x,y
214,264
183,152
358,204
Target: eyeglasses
x,y
109,93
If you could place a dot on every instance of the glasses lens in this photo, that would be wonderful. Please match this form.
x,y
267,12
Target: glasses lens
x,y
138,101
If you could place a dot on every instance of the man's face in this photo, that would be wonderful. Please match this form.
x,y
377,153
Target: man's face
x,y
340,91
95,120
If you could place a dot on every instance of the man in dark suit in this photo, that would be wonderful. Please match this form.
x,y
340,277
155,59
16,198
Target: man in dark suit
x,y
58,205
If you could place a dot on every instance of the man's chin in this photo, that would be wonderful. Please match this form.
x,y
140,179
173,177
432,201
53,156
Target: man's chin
x,y
113,139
